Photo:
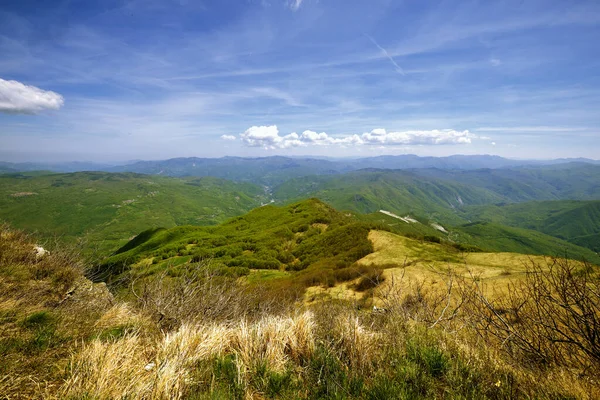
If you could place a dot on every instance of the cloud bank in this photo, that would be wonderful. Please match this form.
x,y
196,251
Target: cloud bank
x,y
17,98
268,137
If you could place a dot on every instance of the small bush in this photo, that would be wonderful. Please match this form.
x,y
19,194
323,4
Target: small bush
x,y
428,356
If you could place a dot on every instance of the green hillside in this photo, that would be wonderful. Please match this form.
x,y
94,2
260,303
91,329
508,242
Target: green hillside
x,y
308,242
401,192
575,221
308,235
571,181
494,237
106,209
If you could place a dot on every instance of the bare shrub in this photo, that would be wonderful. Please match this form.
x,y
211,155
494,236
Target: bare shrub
x,y
551,317
201,294
416,301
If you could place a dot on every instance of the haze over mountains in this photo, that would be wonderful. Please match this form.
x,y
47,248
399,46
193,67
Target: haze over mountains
x,y
271,170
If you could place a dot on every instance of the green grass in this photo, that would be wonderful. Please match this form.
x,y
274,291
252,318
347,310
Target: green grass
x,y
106,210
259,276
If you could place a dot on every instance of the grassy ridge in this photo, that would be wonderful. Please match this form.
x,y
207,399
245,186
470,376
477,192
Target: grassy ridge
x,y
312,242
108,209
305,236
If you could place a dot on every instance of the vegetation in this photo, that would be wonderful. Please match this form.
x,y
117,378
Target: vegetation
x,y
105,210
46,306
495,237
308,237
575,221
569,181
302,301
401,192
204,334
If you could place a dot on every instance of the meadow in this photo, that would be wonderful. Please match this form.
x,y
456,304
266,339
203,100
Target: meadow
x,y
202,335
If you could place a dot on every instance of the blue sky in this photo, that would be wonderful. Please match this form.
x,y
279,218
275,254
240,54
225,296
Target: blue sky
x,y
151,79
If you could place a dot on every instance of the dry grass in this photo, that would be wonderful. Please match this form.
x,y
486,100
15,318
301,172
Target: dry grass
x,y
202,336
166,368
409,262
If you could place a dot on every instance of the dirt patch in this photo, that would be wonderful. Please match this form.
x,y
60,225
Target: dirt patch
x,y
23,194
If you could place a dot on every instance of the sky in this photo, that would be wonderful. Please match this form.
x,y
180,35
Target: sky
x,y
117,80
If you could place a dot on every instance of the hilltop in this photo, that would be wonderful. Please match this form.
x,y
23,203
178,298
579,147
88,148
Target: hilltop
x,y
307,236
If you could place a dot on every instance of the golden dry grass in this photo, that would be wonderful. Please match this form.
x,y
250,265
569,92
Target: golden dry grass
x,y
408,261
134,367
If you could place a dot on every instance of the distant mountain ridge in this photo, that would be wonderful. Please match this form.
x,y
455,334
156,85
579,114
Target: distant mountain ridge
x,y
276,169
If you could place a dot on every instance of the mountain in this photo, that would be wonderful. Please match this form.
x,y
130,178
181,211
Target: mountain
x,y
461,162
571,181
70,166
264,170
308,243
107,209
401,192
277,169
575,221
500,238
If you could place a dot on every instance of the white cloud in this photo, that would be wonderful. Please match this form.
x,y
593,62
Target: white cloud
x,y
295,4
432,137
268,137
228,137
17,98
493,143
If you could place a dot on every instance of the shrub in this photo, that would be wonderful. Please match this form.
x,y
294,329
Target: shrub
x,y
552,317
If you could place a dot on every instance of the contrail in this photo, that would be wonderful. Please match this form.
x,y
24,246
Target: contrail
x,y
385,53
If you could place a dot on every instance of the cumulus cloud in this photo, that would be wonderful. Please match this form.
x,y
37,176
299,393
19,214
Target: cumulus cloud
x,y
268,137
17,98
228,137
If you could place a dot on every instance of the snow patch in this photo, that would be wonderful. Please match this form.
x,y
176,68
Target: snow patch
x,y
439,227
408,219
